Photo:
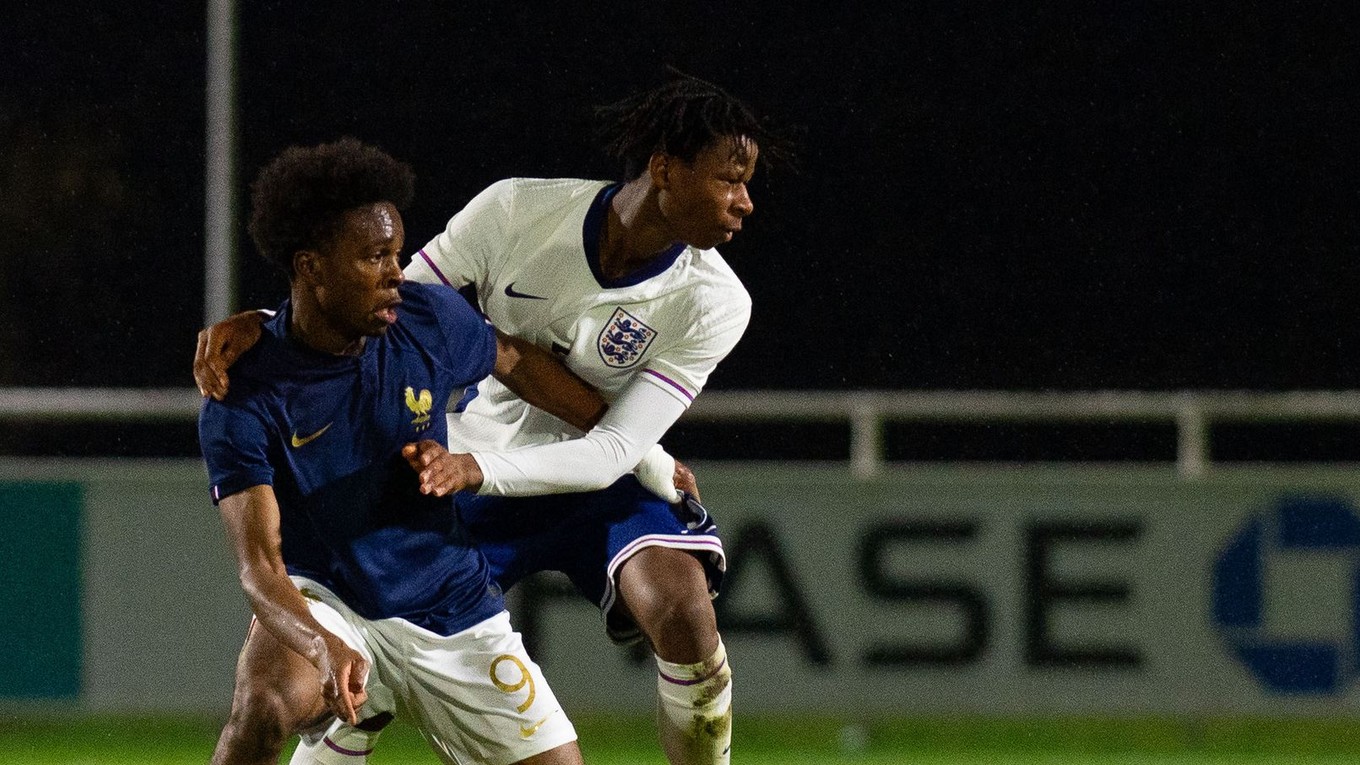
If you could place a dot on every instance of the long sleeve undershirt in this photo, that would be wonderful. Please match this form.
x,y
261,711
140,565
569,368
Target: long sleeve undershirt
x,y
636,420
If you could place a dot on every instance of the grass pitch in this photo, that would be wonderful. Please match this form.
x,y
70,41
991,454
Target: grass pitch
x,y
28,740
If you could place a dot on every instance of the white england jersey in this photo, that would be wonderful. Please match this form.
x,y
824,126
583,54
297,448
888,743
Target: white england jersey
x,y
530,246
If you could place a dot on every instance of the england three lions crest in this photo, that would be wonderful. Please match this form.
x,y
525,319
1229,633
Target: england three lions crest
x,y
624,339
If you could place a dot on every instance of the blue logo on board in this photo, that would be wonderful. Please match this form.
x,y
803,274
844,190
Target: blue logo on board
x,y
1295,525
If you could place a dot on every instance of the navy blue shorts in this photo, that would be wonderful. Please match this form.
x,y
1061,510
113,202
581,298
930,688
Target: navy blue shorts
x,y
588,536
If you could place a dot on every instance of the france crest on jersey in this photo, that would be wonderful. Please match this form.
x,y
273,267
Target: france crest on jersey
x,y
624,339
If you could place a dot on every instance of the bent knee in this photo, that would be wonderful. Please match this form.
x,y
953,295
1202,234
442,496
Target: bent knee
x,y
691,615
683,632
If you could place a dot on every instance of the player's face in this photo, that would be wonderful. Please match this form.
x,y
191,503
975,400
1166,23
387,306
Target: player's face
x,y
706,200
361,270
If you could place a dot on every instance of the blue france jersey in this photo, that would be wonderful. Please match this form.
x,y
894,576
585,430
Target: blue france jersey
x,y
326,433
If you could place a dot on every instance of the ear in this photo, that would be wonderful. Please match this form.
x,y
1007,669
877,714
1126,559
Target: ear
x,y
306,263
659,167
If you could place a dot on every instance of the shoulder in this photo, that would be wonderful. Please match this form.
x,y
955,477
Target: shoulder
x,y
261,370
717,288
433,305
432,313
536,196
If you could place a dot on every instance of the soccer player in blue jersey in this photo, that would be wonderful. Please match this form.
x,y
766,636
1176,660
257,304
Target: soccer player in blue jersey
x,y
624,282
368,582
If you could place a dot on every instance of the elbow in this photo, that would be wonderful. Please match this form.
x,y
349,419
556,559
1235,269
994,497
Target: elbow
x,y
599,481
605,473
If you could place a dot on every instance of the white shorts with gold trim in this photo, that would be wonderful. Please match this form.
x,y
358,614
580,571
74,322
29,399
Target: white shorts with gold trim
x,y
476,695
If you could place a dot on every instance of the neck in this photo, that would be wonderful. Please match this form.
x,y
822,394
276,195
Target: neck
x,y
634,233
308,325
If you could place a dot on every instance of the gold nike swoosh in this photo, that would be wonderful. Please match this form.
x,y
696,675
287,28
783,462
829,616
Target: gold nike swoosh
x,y
299,442
529,730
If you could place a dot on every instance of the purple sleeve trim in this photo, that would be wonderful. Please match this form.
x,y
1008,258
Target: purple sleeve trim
x,y
671,383
436,270
344,751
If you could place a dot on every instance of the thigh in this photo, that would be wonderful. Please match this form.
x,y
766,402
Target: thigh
x,y
664,593
669,553
476,695
272,679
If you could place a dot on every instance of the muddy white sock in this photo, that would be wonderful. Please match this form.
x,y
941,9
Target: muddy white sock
x,y
694,710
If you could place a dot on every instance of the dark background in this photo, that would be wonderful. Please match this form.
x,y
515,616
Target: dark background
x,y
997,196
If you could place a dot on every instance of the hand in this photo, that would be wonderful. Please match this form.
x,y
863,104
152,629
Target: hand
x,y
343,674
441,473
657,473
684,480
219,346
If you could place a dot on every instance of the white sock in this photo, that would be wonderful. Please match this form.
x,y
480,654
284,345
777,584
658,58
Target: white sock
x,y
341,744
694,710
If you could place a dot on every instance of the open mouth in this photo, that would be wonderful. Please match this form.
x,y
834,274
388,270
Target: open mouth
x,y
388,313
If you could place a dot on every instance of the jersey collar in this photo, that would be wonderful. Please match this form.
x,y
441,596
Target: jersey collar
x,y
590,235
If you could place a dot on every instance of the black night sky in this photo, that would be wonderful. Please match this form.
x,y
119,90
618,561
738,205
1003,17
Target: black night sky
x,y
995,196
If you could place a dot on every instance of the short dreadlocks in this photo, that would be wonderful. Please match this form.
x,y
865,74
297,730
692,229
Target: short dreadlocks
x,y
681,117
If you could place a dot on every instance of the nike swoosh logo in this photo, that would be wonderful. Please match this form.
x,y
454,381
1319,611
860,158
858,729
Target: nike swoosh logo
x,y
300,442
510,292
529,730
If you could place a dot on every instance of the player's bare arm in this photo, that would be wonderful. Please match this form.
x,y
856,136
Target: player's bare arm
x,y
542,380
251,518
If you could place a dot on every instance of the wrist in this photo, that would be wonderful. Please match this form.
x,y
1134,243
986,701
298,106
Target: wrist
x,y
319,649
474,475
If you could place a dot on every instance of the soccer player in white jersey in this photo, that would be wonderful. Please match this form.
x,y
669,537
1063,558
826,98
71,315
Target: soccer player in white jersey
x,y
622,281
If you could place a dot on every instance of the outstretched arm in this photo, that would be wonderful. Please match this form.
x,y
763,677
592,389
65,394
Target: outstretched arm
x,y
251,518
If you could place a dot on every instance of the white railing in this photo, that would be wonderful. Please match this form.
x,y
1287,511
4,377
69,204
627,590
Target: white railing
x,y
866,411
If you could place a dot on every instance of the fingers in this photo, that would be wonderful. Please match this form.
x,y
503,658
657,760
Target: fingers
x,y
685,480
219,346
344,691
209,375
441,478
439,472
358,675
198,356
423,454
427,458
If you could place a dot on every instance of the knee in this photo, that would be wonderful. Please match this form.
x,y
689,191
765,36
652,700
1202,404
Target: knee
x,y
682,630
691,615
